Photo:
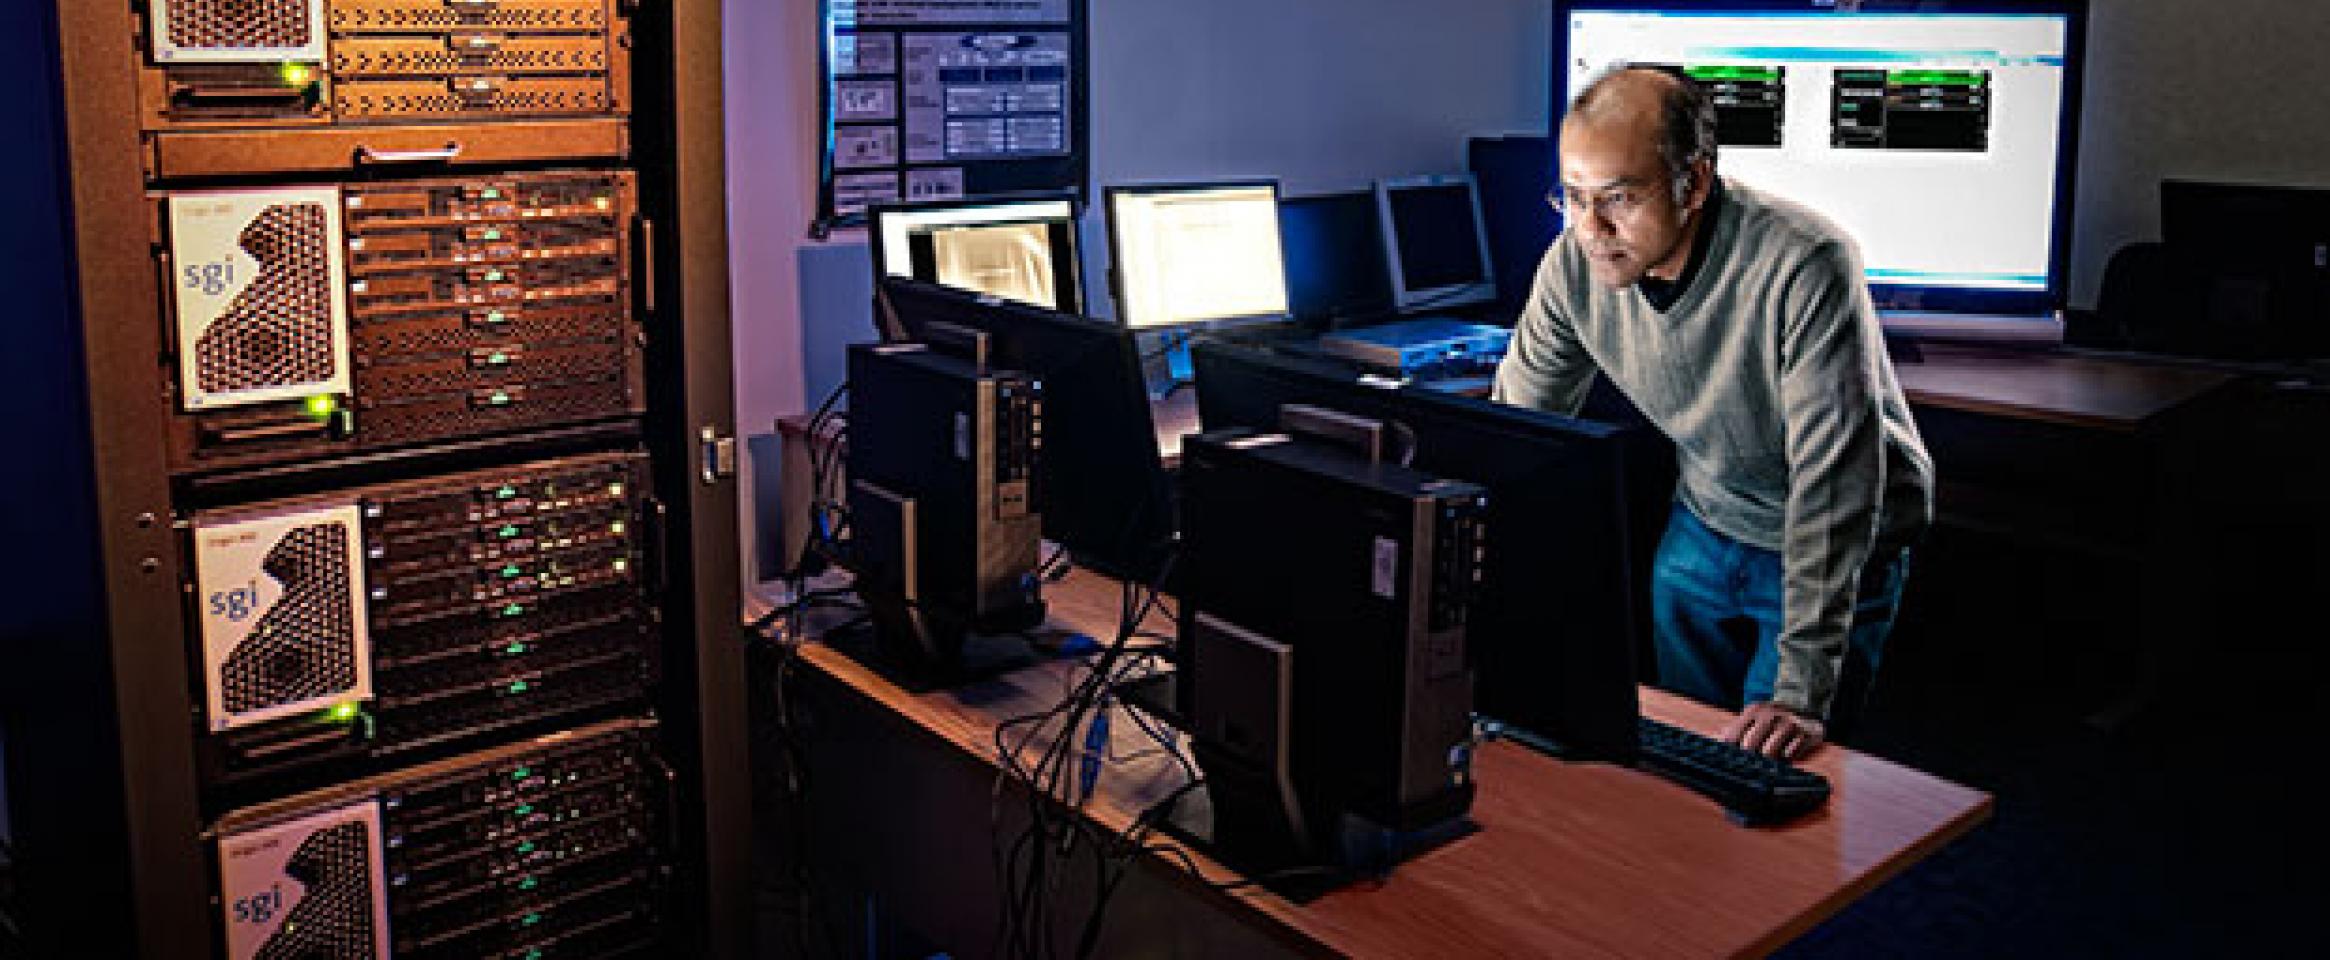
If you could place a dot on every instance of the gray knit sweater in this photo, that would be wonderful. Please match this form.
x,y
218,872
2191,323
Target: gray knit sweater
x,y
1769,373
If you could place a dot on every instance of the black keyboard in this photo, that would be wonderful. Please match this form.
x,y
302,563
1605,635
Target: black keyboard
x,y
1755,788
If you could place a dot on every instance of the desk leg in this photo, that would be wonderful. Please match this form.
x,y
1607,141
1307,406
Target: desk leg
x,y
2173,572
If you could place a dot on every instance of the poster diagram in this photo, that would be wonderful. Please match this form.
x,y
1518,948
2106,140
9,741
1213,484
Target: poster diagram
x,y
945,99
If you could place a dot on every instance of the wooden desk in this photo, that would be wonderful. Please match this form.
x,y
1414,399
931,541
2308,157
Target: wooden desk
x,y
2071,471
2057,388
1569,860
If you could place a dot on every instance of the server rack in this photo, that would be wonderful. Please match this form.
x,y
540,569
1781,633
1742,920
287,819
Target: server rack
x,y
115,817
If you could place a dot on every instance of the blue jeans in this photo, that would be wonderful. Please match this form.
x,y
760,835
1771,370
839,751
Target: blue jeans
x,y
1716,614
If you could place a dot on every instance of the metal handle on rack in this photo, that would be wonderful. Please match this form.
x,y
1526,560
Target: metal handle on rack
x,y
659,532
446,153
647,263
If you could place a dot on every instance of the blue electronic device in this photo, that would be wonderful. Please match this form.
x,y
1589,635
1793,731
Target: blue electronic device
x,y
1424,349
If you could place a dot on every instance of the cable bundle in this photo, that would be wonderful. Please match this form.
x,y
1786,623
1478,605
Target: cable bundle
x,y
1062,781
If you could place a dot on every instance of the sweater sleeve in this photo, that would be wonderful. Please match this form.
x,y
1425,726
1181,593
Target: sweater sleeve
x,y
1545,366
1830,391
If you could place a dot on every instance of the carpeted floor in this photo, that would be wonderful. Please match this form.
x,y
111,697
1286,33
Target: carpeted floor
x,y
2182,832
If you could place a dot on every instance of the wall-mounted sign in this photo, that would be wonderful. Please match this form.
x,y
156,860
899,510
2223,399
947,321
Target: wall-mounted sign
x,y
944,99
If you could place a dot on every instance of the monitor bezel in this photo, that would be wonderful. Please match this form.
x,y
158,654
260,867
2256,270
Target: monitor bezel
x,y
1929,301
1442,297
1116,279
878,247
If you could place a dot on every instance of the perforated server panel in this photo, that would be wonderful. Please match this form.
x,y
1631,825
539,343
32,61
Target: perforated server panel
x,y
544,848
314,322
241,63
375,622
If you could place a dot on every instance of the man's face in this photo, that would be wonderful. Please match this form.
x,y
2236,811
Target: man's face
x,y
1618,197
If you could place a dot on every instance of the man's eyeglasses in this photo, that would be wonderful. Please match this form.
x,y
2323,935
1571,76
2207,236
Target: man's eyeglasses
x,y
1613,203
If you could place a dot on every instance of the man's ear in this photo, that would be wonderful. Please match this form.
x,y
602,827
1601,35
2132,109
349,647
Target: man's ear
x,y
1701,186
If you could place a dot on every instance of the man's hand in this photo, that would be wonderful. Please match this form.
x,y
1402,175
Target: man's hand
x,y
1774,730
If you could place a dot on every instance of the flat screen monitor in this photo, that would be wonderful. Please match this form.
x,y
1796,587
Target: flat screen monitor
x,y
2259,260
1335,270
1021,249
1938,133
1196,254
1563,602
1434,241
1100,481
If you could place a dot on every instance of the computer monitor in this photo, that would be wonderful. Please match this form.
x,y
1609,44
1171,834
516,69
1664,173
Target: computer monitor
x,y
1573,507
1194,254
1434,241
2259,260
1939,133
1335,271
1100,482
1021,248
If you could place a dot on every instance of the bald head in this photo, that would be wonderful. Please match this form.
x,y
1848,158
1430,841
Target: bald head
x,y
1637,166
1656,104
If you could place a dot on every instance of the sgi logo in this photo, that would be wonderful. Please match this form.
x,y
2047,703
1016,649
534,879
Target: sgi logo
x,y
210,278
237,604
260,907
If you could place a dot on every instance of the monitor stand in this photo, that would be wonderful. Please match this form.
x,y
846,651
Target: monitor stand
x,y
923,654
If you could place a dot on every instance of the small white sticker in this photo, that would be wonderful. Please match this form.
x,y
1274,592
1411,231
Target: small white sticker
x,y
962,435
1387,568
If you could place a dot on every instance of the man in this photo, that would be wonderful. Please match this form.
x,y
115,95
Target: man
x,y
1739,324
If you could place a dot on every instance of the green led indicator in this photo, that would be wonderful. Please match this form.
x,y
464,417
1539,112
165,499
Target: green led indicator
x,y
531,919
497,358
493,276
505,492
521,773
322,406
497,316
519,687
513,609
493,193
527,847
511,571
507,531
617,527
529,883
524,809
622,565
514,649
534,954
493,234
500,398
344,712
297,74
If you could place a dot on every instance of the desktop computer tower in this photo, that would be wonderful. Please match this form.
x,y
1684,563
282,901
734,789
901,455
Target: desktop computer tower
x,y
944,531
1323,673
